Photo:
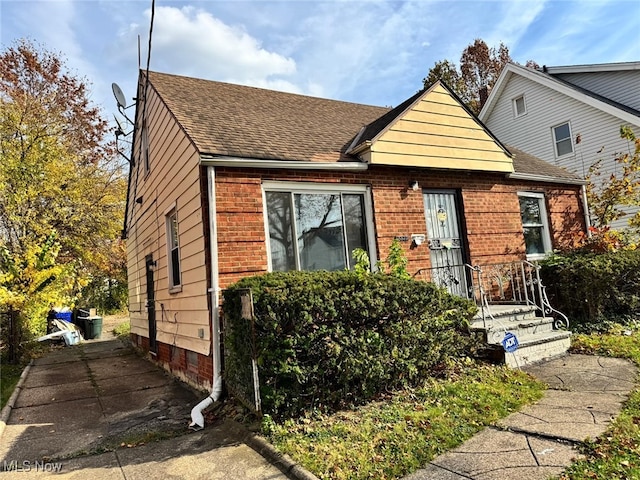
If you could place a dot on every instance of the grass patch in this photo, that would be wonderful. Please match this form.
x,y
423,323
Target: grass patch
x,y
122,330
9,376
616,454
404,431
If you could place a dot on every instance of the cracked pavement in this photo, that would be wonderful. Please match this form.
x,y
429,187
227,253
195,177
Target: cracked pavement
x,y
585,394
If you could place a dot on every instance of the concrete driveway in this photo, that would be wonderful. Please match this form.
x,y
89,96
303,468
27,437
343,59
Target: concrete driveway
x,y
99,411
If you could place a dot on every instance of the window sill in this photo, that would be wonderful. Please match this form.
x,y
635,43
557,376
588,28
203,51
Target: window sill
x,y
537,256
176,289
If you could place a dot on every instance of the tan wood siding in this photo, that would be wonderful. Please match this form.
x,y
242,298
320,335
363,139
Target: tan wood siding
x,y
173,180
439,133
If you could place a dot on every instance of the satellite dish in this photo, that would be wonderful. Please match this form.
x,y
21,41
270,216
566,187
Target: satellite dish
x,y
117,92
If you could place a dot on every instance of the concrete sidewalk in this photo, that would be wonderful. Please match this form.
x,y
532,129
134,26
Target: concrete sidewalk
x,y
86,412
79,409
586,393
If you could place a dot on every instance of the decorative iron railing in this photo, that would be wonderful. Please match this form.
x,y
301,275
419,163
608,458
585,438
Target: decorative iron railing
x,y
513,283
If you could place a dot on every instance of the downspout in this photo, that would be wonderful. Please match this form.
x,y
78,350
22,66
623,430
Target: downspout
x,y
585,208
197,418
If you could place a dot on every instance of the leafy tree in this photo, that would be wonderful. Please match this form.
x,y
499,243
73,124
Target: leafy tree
x,y
62,188
480,67
609,195
448,72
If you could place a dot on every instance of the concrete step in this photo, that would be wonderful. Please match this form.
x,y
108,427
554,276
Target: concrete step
x,y
534,348
511,312
531,326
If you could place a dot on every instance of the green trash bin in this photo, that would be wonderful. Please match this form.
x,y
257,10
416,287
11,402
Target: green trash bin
x,y
92,327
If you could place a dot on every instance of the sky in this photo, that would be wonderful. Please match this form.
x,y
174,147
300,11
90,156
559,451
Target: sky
x,y
373,52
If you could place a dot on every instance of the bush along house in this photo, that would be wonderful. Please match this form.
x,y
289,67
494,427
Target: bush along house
x,y
230,181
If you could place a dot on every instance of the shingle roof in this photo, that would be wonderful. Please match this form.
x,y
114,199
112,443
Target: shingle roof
x,y
234,120
375,127
606,100
526,164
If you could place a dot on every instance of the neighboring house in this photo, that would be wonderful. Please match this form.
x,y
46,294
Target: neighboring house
x,y
229,181
569,116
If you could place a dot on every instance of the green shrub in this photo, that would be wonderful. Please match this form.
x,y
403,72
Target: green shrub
x,y
594,289
329,339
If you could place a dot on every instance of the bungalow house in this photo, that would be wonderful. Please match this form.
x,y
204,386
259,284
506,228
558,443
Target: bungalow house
x,y
569,116
229,181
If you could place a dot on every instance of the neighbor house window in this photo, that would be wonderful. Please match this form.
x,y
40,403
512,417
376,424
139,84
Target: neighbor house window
x,y
519,107
534,224
315,227
562,139
173,247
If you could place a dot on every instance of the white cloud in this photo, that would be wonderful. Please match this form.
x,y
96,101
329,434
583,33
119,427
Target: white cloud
x,y
516,18
191,41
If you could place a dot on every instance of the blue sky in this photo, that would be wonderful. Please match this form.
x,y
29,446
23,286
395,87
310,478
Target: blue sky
x,y
374,51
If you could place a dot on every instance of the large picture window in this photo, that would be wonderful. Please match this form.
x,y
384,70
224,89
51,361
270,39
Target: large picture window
x,y
173,250
534,224
315,229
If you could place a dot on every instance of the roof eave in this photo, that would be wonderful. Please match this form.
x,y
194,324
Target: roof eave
x,y
549,82
594,67
545,178
239,162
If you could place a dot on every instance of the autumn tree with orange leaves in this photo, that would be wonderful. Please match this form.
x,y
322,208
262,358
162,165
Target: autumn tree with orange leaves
x,y
62,187
480,67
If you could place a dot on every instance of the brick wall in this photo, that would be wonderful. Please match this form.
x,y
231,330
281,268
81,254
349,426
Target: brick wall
x,y
197,373
490,212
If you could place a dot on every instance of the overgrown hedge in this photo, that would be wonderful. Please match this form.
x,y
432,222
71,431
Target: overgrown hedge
x,y
329,339
594,289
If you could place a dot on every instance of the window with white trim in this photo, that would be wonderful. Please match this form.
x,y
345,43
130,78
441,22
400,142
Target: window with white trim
x,y
316,227
519,106
562,139
534,224
173,250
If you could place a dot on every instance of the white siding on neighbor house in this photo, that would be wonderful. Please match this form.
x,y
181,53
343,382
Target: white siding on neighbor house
x,y
173,180
620,86
599,131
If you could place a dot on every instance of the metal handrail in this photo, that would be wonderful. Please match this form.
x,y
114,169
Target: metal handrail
x,y
501,283
561,321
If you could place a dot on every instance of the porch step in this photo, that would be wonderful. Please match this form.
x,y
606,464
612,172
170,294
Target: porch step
x,y
536,336
534,348
535,325
511,312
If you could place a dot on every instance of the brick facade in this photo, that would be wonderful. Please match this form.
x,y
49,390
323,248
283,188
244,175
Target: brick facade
x,y
490,214
175,360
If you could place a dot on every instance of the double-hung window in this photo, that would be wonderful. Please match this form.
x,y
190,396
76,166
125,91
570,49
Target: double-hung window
x,y
562,139
534,224
316,226
173,250
519,106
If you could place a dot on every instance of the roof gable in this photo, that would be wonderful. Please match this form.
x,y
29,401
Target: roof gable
x,y
434,129
241,125
592,99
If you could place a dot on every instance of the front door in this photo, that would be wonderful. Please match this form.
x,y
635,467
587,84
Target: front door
x,y
445,243
151,303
